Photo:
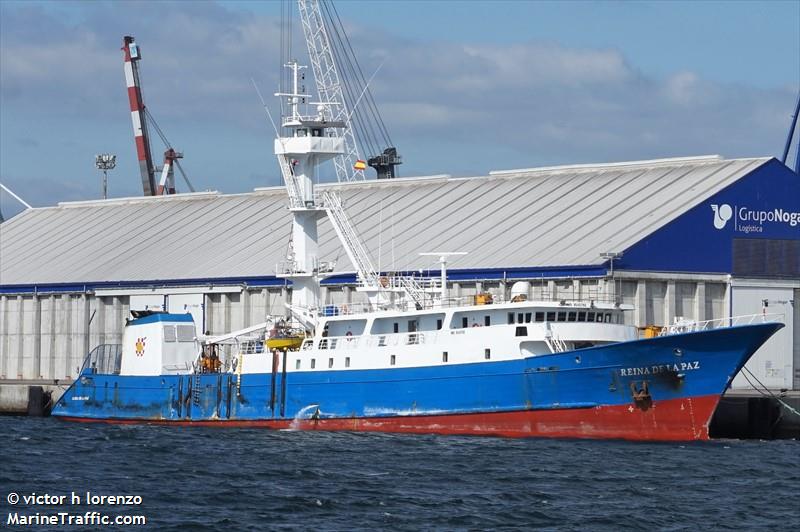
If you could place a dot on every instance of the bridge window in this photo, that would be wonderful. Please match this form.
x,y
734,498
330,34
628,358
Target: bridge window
x,y
571,316
551,316
528,316
540,316
438,325
510,318
562,316
487,320
581,316
396,328
464,322
520,318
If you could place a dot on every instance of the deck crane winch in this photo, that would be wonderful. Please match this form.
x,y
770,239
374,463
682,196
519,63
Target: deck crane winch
x,y
141,117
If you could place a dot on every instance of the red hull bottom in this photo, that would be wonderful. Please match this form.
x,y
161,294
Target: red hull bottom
x,y
669,420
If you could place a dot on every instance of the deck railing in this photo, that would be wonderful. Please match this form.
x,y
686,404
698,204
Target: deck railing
x,y
685,326
105,359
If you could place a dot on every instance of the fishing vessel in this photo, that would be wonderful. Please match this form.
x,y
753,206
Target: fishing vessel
x,y
411,358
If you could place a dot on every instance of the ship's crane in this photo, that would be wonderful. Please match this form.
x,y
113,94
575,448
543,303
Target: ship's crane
x,y
342,86
141,117
339,100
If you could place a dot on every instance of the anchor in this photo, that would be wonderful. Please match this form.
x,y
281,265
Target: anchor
x,y
641,396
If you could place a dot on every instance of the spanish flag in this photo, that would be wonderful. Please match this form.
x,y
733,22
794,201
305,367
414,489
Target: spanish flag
x,y
360,165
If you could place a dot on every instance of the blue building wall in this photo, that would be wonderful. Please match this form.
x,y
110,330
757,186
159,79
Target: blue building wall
x,y
764,204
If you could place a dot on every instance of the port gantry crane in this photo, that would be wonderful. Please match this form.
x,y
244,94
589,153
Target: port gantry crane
x,y
141,117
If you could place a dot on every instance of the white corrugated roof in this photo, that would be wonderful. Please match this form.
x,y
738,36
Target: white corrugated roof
x,y
545,217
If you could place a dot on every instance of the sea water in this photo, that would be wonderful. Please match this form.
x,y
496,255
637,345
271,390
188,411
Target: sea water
x,y
184,478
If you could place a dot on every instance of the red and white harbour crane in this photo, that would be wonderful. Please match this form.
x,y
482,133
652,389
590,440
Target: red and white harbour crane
x,y
140,117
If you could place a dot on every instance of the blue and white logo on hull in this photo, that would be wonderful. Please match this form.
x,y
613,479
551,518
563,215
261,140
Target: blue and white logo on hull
x,y
722,213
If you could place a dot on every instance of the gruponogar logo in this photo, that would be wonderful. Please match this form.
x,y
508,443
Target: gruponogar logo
x,y
752,221
722,213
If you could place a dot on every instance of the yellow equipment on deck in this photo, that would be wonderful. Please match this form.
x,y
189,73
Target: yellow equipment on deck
x,y
282,337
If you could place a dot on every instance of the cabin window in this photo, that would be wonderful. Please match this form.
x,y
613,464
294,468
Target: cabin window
x,y
392,360
444,356
540,316
487,320
396,328
185,333
608,317
169,334
302,132
520,317
438,325
551,316
581,316
528,316
297,364
313,363
330,363
510,318
521,331
347,362
562,316
571,316
487,354
590,316
323,344
464,322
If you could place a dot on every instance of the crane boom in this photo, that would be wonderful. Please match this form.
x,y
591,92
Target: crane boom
x,y
329,89
146,167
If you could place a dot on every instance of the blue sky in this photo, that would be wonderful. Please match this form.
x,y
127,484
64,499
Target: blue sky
x,y
466,87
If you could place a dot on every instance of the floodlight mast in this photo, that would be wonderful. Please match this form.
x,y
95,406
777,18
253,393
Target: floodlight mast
x,y
105,162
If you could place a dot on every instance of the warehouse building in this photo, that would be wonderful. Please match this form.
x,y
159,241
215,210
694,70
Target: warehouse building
x,y
694,238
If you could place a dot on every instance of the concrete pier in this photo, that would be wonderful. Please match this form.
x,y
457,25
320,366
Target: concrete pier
x,y
30,397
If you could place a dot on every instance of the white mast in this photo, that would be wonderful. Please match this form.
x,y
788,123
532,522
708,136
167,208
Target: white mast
x,y
299,156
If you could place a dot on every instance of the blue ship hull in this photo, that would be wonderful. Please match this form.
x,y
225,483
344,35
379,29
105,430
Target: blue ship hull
x,y
663,388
